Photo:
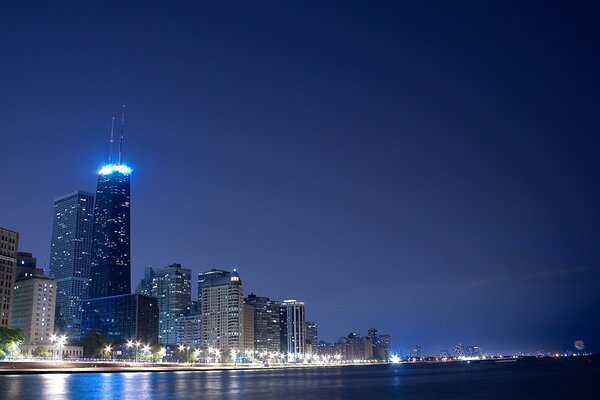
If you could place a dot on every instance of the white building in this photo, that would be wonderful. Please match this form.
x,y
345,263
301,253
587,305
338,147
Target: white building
x,y
221,301
33,308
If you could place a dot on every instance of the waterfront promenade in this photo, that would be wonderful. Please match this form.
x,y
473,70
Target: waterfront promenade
x,y
19,367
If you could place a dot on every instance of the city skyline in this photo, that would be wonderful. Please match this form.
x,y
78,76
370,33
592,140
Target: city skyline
x,y
386,169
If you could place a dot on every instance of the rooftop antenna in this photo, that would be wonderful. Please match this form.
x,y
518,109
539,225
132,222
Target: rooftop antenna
x,y
112,130
121,134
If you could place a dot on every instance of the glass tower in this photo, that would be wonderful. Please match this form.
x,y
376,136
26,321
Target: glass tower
x,y
111,255
172,286
70,258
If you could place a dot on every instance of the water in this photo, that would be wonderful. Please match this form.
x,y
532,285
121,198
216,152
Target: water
x,y
575,378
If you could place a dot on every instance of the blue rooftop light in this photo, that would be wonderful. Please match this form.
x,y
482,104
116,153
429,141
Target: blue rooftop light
x,y
109,169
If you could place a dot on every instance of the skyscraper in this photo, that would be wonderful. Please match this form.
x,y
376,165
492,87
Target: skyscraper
x,y
70,258
111,249
9,244
221,299
267,323
312,340
172,286
296,329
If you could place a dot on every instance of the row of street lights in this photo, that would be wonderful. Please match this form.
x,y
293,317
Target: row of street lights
x,y
145,348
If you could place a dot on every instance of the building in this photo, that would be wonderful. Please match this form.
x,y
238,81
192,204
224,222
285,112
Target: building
x,y
283,327
353,347
34,302
111,249
381,345
172,286
70,258
248,327
9,244
27,266
267,323
145,285
296,329
189,330
312,339
221,300
415,352
121,318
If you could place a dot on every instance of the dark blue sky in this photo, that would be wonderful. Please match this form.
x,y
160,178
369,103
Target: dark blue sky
x,y
431,169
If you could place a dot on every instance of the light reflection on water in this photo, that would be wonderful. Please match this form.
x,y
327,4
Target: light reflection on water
x,y
533,380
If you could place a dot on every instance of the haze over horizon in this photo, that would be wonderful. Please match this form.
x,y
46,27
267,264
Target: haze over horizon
x,y
431,171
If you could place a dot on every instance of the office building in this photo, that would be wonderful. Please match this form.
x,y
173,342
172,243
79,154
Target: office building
x,y
111,249
248,327
312,340
221,300
121,318
70,258
172,286
267,323
296,329
9,244
27,266
145,285
34,302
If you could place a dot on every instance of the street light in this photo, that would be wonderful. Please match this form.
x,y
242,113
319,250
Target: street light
x,y
146,349
108,351
130,344
60,342
182,347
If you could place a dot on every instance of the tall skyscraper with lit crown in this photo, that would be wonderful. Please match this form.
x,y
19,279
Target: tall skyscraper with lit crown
x,y
111,247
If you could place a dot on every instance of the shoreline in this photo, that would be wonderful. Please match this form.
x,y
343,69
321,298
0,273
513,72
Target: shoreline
x,y
40,367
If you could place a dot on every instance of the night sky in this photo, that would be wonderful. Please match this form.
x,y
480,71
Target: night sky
x,y
430,169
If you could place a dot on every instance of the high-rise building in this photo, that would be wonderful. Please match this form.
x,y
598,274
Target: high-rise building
x,y
283,329
33,308
120,318
354,347
296,329
267,323
312,340
248,328
27,266
145,285
111,248
9,244
70,258
172,286
221,300
381,345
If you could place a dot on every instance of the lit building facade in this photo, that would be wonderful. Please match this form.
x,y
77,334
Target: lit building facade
x,y
248,327
267,323
312,339
121,318
9,244
221,300
33,308
111,248
172,286
296,329
70,258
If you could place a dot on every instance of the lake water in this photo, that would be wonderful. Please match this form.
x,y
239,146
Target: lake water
x,y
574,378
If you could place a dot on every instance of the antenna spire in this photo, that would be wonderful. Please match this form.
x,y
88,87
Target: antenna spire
x,y
110,145
121,136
